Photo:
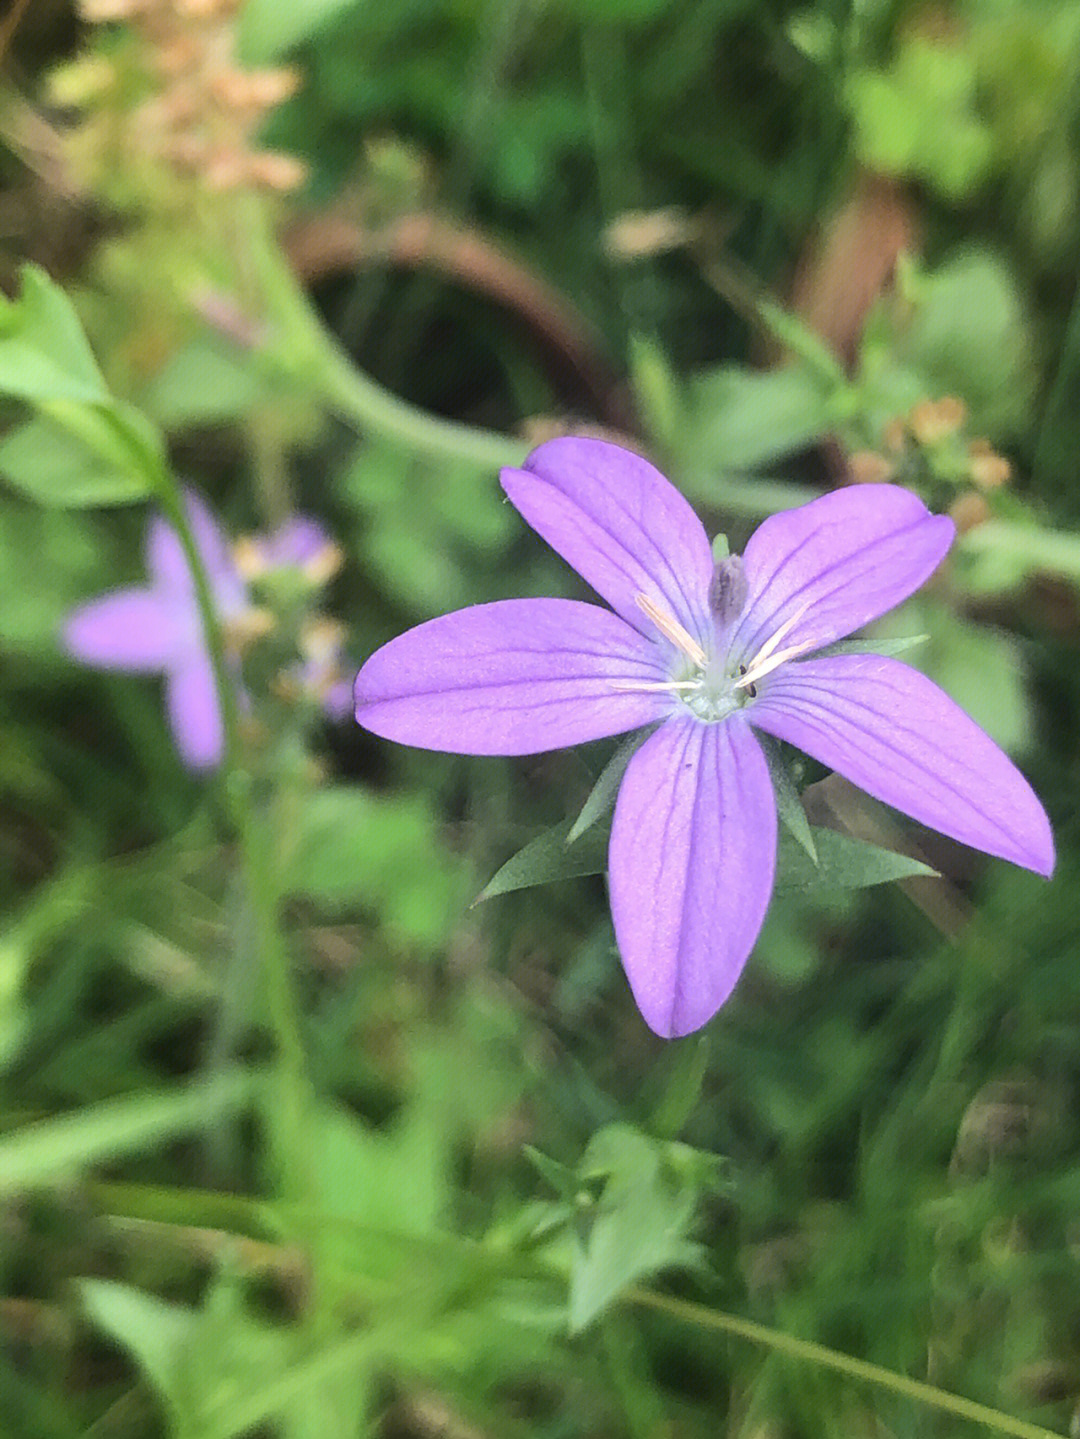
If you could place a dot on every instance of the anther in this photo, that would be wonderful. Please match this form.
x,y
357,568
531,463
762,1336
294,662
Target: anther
x,y
672,630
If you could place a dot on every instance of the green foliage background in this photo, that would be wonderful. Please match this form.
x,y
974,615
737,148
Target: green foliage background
x,y
292,1139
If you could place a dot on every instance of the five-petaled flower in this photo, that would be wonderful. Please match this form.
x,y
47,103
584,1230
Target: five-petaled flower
x,y
708,652
158,627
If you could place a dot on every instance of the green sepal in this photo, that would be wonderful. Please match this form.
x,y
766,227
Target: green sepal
x,y
601,800
887,647
842,862
788,804
550,857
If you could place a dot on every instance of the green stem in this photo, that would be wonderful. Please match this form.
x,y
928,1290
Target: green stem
x,y
171,499
845,1364
257,862
301,344
300,347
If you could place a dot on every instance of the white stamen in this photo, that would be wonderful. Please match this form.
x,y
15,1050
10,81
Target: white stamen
x,y
758,671
769,658
636,685
789,624
672,630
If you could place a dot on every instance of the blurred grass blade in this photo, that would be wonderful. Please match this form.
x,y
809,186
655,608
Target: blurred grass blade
x,y
54,1149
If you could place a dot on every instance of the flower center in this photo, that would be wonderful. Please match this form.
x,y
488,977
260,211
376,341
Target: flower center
x,y
714,694
712,686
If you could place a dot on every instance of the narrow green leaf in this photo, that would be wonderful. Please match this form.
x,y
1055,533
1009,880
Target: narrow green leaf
x,y
872,646
797,336
550,857
842,863
206,382
561,1177
44,354
57,1148
689,1061
601,799
788,803
154,1333
228,1416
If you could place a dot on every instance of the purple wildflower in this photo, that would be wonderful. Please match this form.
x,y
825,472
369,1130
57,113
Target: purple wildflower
x,y
158,627
321,671
710,652
299,543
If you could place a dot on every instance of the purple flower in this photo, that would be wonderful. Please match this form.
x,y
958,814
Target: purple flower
x,y
157,627
710,652
299,543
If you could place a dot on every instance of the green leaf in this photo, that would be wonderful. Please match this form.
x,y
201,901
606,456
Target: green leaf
x,y
842,863
656,388
357,849
206,382
268,28
970,335
54,1149
550,857
601,799
1002,553
797,336
51,464
689,1060
44,354
561,1177
639,1224
744,419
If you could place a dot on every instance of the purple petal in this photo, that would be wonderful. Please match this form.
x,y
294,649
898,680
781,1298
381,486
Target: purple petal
x,y
624,528
849,556
194,713
338,699
513,677
891,731
134,629
691,866
168,566
293,544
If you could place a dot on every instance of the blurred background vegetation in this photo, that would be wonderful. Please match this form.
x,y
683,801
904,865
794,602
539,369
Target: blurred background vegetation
x,y
405,1168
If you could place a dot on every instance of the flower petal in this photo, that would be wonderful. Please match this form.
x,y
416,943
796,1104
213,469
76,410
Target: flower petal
x,y
513,677
624,528
134,629
194,713
691,867
891,731
849,557
167,563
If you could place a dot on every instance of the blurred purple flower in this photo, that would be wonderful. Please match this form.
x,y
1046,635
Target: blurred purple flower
x,y
321,671
299,543
710,651
157,627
